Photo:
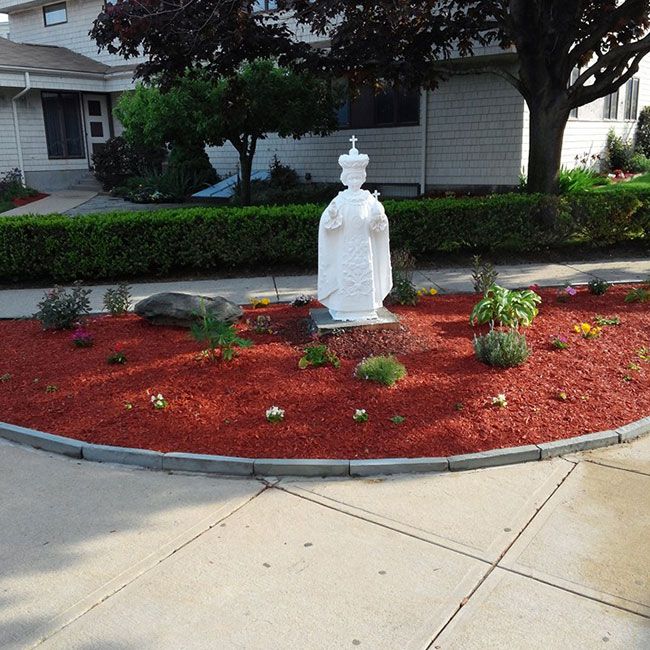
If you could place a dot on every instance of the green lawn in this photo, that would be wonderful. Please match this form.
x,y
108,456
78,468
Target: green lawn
x,y
641,180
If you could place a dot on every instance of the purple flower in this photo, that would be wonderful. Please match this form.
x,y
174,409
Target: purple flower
x,y
571,291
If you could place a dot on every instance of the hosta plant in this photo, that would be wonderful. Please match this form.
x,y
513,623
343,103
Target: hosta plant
x,y
501,306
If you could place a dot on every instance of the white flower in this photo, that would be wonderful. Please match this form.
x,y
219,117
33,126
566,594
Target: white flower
x,y
500,400
274,414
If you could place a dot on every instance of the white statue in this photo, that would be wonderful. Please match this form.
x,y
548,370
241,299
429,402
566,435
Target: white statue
x,y
354,270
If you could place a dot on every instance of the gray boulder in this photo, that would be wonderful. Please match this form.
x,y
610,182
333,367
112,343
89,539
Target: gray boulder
x,y
180,309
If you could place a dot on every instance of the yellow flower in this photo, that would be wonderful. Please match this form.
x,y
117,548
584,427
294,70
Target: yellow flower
x,y
259,302
432,291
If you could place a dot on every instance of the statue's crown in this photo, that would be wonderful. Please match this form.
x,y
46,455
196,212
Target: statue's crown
x,y
353,159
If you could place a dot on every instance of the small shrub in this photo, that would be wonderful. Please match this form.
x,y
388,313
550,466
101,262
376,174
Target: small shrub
x,y
220,337
598,287
484,275
403,291
642,137
502,349
507,308
117,301
619,152
639,164
62,309
283,177
604,321
119,160
318,355
383,370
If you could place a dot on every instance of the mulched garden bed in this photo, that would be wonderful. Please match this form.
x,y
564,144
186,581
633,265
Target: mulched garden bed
x,y
26,200
219,408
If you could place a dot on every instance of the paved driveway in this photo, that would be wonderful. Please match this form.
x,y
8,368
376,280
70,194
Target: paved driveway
x,y
553,554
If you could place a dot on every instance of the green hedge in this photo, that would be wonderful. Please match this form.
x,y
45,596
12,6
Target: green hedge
x,y
205,239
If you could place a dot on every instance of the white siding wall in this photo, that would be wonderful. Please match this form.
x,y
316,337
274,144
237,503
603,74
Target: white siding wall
x,y
8,152
587,134
28,27
475,134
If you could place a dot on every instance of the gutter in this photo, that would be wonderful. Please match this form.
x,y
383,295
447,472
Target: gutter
x,y
19,146
424,118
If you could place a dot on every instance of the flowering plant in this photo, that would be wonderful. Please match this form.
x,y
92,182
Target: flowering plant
x,y
427,292
587,331
82,338
500,400
117,356
565,294
301,301
275,414
259,302
559,342
360,415
159,402
260,325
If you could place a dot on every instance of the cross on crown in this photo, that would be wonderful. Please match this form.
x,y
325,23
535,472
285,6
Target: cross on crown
x,y
354,141
376,194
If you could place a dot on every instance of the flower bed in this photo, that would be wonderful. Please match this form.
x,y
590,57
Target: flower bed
x,y
445,405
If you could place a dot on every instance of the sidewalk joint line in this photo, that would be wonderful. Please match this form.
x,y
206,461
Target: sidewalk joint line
x,y
495,564
412,535
49,635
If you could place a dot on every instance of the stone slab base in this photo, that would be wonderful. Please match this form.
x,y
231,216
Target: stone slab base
x,y
323,321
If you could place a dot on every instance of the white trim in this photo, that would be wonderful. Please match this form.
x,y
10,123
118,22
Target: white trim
x,y
19,146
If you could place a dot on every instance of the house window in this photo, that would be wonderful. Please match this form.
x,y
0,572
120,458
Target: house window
x,y
575,73
611,107
55,14
631,99
63,130
378,108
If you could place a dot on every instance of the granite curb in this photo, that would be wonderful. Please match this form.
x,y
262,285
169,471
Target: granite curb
x,y
312,467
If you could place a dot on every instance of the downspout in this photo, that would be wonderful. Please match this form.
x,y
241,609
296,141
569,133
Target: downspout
x,y
424,112
19,146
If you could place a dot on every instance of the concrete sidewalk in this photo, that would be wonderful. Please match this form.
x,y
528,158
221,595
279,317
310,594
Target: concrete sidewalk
x,y
552,554
56,203
17,303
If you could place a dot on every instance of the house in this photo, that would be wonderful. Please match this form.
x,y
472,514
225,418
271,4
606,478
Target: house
x,y
57,94
56,91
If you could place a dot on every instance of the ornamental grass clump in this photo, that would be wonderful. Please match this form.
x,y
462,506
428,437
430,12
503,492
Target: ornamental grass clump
x,y
503,349
383,370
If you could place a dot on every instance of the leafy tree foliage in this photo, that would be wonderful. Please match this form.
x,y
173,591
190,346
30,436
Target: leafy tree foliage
x,y
413,43
261,98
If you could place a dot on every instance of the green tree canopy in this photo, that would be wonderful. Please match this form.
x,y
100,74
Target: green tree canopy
x,y
259,99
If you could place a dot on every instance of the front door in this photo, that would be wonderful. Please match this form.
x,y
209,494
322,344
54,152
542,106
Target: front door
x,y
97,123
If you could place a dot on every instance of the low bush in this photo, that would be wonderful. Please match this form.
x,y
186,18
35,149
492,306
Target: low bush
x,y
383,370
208,239
118,160
619,152
62,309
503,349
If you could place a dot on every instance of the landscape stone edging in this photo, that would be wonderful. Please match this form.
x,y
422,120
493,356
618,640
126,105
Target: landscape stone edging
x,y
314,467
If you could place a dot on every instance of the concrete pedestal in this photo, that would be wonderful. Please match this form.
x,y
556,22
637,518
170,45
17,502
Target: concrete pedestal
x,y
324,322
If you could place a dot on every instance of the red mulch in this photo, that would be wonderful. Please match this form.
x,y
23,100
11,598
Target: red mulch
x,y
220,408
28,199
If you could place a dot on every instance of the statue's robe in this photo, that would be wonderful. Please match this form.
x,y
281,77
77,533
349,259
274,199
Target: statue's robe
x,y
354,269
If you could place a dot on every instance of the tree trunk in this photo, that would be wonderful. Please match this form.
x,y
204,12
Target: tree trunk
x,y
245,169
547,125
246,155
